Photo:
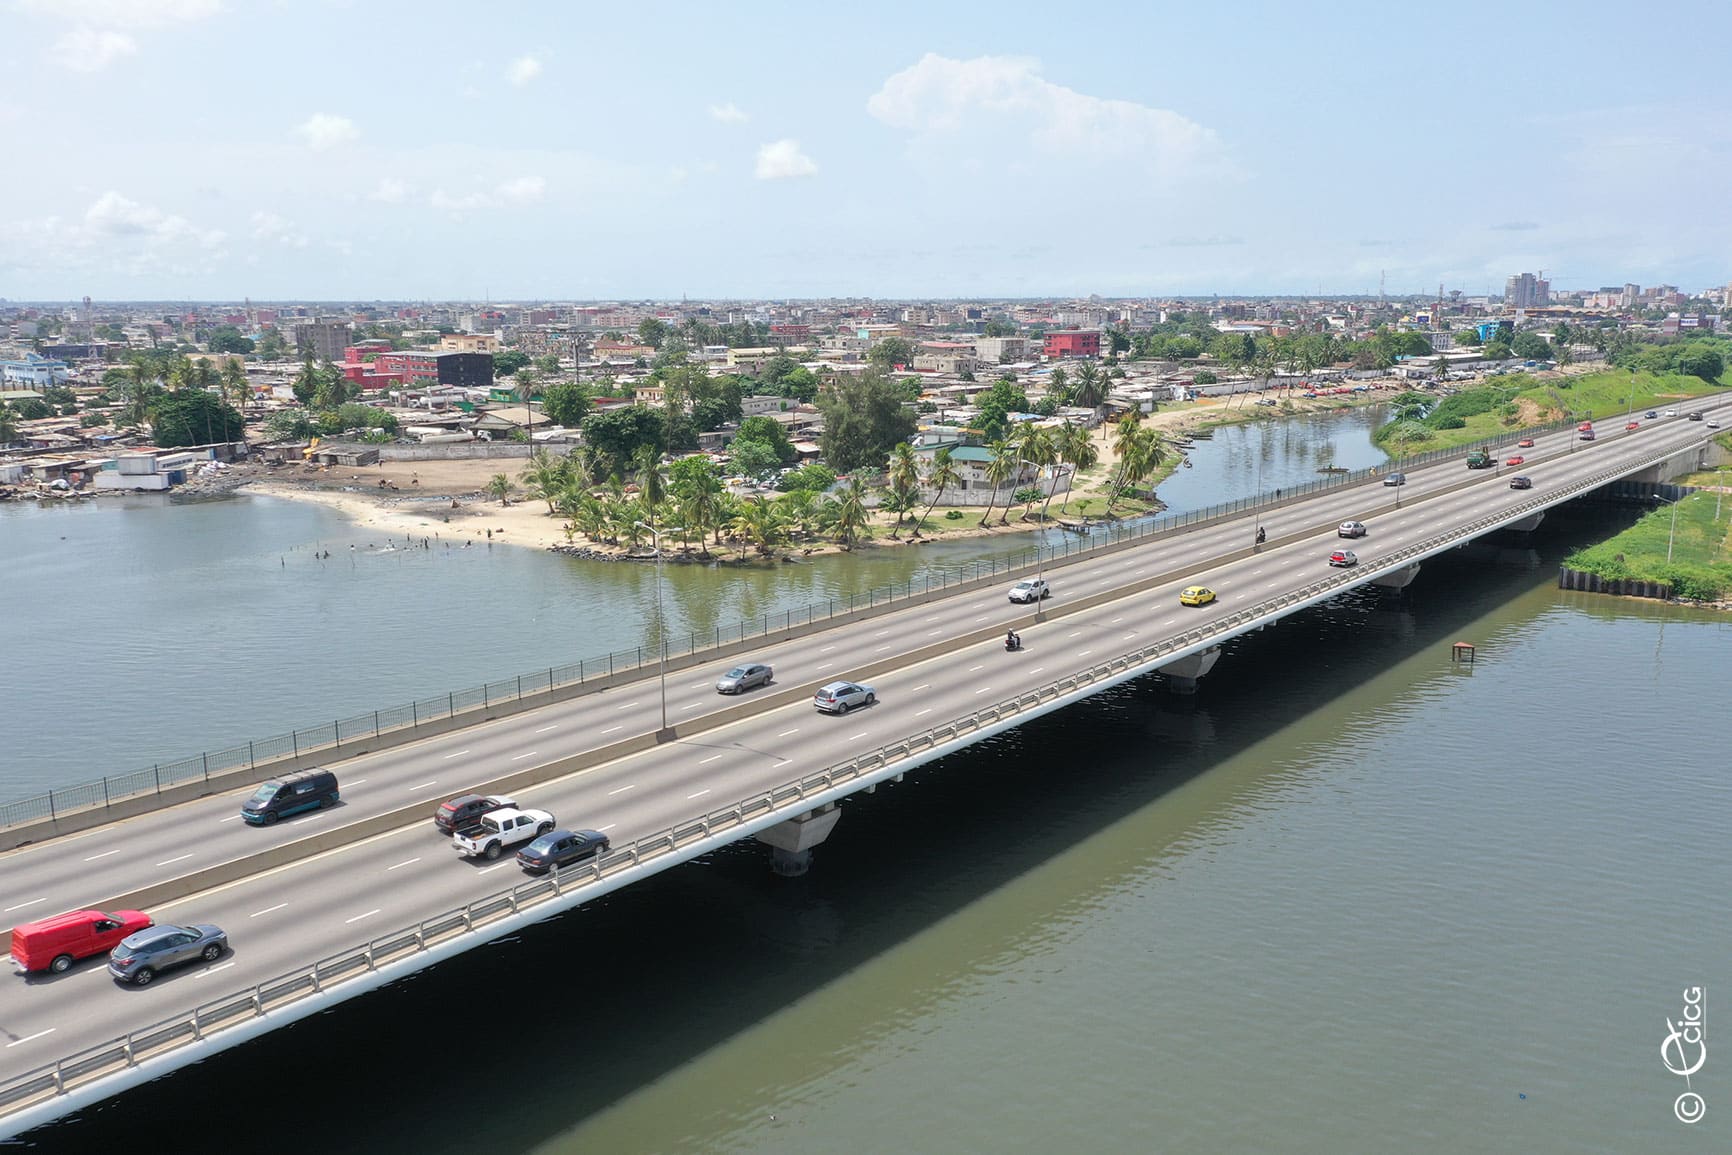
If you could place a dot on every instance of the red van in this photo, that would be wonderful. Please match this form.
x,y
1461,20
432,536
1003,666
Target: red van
x,y
53,944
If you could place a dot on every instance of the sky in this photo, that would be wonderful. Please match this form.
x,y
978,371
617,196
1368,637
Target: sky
x,y
394,150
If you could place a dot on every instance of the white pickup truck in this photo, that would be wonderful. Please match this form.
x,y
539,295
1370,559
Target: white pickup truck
x,y
489,837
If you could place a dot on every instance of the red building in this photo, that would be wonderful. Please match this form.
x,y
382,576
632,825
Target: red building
x,y
1073,343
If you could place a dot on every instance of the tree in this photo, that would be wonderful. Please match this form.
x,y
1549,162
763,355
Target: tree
x,y
1531,347
903,469
864,418
1118,341
1077,449
547,478
762,524
696,484
291,425
1440,367
548,363
852,516
499,486
1701,360
228,339
652,332
890,352
234,382
1090,388
508,362
8,424
766,431
141,392
565,403
1496,350
752,458
1058,384
940,477
998,470
194,417
615,437
1468,336
271,346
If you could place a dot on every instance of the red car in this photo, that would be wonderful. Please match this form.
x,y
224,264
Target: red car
x,y
1517,459
1632,425
1525,443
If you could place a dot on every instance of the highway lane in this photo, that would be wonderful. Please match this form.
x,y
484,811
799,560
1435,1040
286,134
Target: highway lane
x,y
327,904
66,873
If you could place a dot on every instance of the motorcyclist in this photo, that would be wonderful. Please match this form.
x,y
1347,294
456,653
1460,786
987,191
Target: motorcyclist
x,y
1011,640
1262,535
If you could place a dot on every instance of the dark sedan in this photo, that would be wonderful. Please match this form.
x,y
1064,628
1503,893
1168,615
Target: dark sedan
x,y
1521,482
744,678
141,957
561,848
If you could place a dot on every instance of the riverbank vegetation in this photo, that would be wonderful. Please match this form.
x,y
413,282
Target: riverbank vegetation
x,y
1687,544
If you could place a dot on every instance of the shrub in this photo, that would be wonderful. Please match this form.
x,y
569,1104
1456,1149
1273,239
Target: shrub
x,y
953,515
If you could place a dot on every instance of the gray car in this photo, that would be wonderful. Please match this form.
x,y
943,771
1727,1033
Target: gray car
x,y
840,697
141,957
744,677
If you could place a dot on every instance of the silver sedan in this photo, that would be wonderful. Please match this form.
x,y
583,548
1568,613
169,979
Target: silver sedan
x,y
744,677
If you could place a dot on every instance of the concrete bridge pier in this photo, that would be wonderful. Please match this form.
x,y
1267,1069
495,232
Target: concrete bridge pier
x,y
1182,675
791,842
1527,524
1397,580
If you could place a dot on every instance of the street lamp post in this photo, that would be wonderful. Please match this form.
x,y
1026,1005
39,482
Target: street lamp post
x,y
1672,532
665,734
1039,554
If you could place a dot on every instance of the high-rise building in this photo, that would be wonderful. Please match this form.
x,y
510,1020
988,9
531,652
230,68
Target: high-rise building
x,y
322,340
1526,291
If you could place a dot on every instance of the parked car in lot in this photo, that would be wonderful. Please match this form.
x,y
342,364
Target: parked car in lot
x,y
1525,443
141,957
744,677
1395,479
840,697
1196,596
464,811
1343,558
561,848
489,837
1352,529
55,943
1030,590
1521,481
1515,459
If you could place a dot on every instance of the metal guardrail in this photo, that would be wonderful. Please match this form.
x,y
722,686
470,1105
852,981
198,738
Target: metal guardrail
x,y
330,736
128,1050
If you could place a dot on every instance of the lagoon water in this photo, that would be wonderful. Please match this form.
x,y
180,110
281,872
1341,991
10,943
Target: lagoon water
x,y
1347,898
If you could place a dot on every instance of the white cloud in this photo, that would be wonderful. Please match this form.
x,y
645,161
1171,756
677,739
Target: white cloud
x,y
728,113
322,131
520,191
125,13
86,49
112,215
781,159
940,96
522,70
391,192
268,226
524,190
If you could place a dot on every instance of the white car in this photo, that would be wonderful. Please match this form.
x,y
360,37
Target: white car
x,y
1352,529
1030,590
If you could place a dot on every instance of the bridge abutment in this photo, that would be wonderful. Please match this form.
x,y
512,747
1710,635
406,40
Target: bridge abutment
x,y
791,842
1182,676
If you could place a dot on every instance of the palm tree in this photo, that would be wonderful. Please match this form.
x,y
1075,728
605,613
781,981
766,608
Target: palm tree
x,y
1142,456
940,477
1440,367
526,379
760,523
499,486
141,391
234,382
651,488
904,477
998,470
1039,449
852,516
1076,449
547,477
8,424
1090,388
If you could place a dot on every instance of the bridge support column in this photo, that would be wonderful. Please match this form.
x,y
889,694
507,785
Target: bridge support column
x,y
791,842
1182,675
1397,580
1527,524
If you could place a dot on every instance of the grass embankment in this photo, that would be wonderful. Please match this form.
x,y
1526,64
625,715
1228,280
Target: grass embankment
x,y
1502,406
1700,546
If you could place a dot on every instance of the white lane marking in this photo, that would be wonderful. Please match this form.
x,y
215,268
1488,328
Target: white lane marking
x,y
880,633
545,729
215,969
116,850
859,736
486,869
235,817
267,910
706,761
28,1038
356,783
359,917
621,790
424,785
458,754
172,861
929,633
1074,634
608,827
983,689
971,669
1037,669
1115,621
693,706
411,862
927,686
881,649
982,617
693,686
521,757
699,794
1084,653
627,706
921,713
1130,635
611,729
22,905
826,665
934,617
826,649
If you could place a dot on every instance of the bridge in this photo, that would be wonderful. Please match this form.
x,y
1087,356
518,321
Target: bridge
x,y
323,908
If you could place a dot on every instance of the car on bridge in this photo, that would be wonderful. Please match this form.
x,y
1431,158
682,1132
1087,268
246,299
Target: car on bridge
x,y
1196,596
1352,529
55,943
1713,425
502,828
559,848
1651,415
1629,425
743,677
1521,481
1515,459
1671,413
464,812
1395,479
1525,443
1030,590
1586,434
1343,557
1695,415
840,697
141,957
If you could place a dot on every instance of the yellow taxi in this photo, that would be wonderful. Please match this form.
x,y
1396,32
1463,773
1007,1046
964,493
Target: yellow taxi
x,y
1196,596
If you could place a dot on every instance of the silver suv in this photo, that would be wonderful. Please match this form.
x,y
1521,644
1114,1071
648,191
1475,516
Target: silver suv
x,y
840,697
140,956
1030,590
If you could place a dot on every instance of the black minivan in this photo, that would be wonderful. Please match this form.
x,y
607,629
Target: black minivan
x,y
290,794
